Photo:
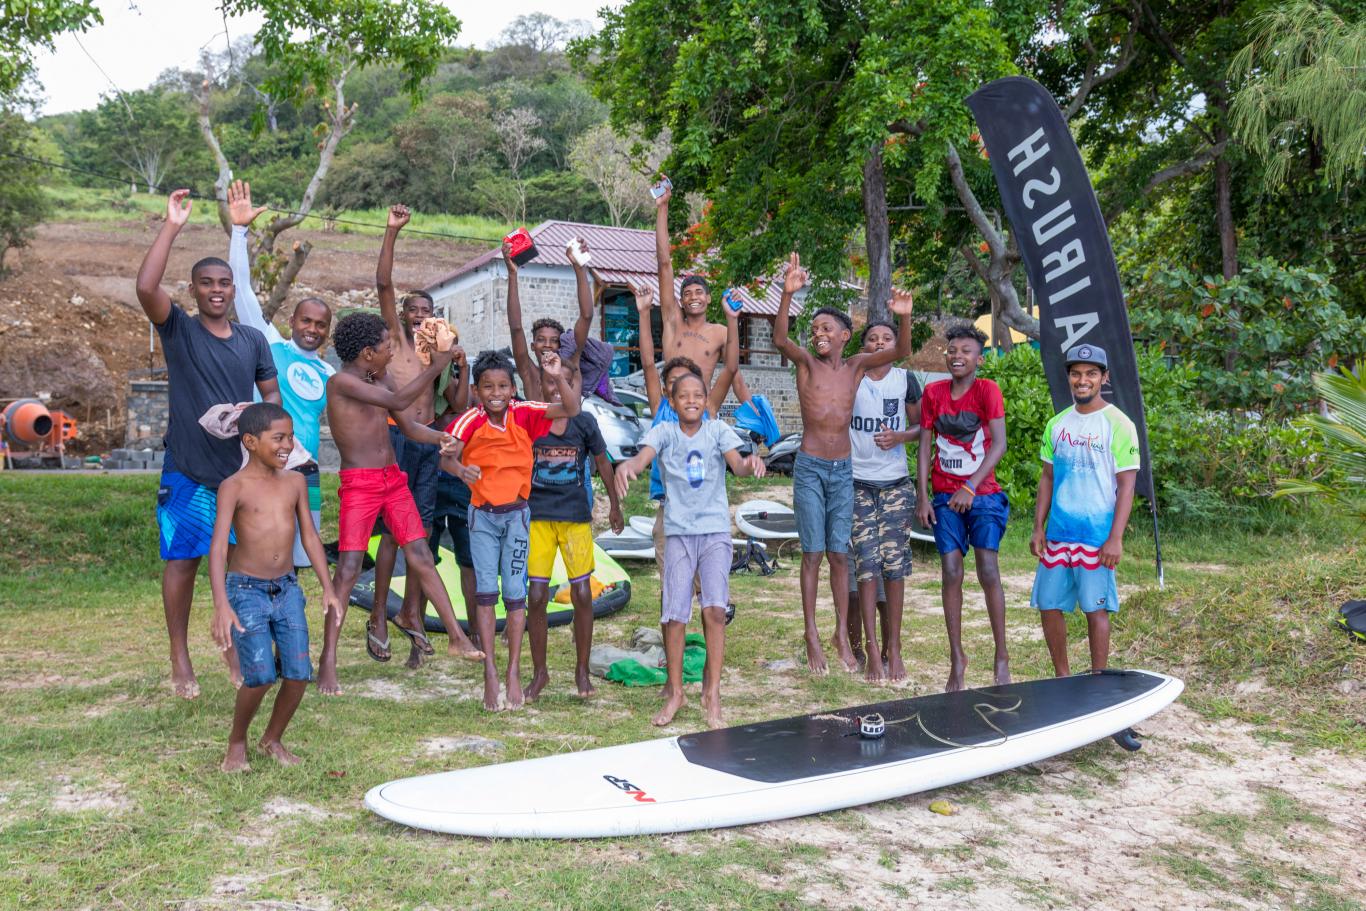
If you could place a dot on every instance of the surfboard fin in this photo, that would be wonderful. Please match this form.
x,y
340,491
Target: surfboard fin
x,y
1128,738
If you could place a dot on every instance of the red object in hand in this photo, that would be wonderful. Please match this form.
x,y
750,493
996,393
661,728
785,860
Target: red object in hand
x,y
523,247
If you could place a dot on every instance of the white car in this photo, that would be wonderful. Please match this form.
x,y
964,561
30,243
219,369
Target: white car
x,y
619,425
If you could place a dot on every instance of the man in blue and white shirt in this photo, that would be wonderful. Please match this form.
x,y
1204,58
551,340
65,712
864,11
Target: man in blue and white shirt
x,y
302,371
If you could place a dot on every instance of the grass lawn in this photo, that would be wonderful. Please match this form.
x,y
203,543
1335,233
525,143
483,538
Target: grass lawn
x,y
111,796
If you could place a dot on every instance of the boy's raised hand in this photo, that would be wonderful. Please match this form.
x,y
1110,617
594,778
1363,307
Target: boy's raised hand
x,y
240,210
663,200
902,302
645,298
796,277
398,216
550,363
178,208
223,623
507,258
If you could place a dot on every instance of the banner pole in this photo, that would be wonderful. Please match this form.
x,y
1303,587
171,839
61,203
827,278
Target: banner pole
x,y
1157,543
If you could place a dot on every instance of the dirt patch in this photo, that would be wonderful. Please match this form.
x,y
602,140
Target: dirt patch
x,y
419,688
102,796
1206,816
465,743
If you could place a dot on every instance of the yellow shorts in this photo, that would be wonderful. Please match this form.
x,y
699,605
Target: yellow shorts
x,y
573,539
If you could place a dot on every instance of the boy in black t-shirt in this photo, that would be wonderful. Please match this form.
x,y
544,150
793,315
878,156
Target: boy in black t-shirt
x,y
561,521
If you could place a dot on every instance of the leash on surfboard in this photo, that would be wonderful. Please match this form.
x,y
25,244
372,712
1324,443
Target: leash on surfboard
x,y
873,726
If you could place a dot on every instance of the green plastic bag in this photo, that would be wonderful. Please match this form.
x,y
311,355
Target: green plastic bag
x,y
630,672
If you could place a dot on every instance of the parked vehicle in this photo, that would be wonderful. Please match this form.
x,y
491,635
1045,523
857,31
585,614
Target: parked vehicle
x,y
621,429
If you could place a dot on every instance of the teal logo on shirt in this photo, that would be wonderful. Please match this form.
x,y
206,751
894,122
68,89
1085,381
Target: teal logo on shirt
x,y
305,382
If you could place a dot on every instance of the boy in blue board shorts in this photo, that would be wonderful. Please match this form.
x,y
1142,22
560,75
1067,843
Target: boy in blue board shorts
x,y
1086,490
963,430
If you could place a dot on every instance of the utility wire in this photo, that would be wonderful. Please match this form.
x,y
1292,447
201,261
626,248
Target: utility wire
x,y
135,179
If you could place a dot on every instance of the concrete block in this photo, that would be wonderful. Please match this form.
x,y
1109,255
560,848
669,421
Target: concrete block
x,y
142,456
158,459
121,454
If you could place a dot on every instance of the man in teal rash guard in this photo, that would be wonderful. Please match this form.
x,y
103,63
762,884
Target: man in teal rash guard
x,y
302,370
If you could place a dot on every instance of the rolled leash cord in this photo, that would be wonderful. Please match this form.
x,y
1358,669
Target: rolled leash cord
x,y
873,726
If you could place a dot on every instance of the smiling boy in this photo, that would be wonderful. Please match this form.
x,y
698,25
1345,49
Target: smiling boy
x,y
1086,490
823,475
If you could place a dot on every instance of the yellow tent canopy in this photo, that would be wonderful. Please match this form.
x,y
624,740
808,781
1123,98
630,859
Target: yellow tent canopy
x,y
983,323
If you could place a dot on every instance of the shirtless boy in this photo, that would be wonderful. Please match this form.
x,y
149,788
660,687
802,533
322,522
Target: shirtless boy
x,y
372,484
258,606
418,460
822,477
547,337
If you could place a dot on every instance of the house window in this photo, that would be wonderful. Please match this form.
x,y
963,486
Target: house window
x,y
621,329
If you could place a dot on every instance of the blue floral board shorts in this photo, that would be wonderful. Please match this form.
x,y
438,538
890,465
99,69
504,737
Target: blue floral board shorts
x,y
275,643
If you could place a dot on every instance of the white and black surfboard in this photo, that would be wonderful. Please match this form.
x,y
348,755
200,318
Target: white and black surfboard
x,y
777,769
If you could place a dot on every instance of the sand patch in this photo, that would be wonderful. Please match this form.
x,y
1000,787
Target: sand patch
x,y
102,796
416,688
464,743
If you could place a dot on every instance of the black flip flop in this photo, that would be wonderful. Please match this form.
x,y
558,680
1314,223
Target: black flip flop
x,y
372,641
418,639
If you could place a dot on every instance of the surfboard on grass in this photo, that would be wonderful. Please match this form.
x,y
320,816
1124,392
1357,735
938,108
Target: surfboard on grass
x,y
611,590
777,769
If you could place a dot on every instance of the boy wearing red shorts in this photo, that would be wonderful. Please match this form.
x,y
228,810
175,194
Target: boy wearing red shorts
x,y
359,398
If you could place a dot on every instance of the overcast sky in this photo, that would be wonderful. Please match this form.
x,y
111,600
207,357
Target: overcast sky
x,y
140,38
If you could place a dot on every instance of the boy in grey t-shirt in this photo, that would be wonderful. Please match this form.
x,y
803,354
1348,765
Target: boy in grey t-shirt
x,y
693,455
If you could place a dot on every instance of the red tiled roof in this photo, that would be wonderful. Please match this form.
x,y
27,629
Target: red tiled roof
x,y
621,256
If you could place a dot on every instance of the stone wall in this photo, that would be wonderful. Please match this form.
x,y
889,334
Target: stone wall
x,y
148,409
479,311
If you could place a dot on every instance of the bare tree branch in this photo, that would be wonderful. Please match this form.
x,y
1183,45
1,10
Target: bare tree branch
x,y
1092,80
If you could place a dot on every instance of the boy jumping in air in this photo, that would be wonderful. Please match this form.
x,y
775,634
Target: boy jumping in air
x,y
258,607
1090,462
359,399
693,454
822,476
492,453
963,424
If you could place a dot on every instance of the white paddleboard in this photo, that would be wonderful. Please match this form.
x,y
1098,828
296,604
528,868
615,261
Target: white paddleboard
x,y
777,769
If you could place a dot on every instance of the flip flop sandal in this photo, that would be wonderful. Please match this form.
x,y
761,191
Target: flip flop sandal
x,y
372,642
418,639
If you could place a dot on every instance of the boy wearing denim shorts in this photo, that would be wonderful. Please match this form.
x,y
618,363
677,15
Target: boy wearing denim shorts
x,y
258,607
822,475
693,455
492,454
963,426
1086,489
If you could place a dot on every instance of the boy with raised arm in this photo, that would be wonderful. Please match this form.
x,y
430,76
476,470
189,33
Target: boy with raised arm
x,y
492,453
418,460
822,475
693,453
963,428
886,407
210,361
1086,489
359,397
303,372
659,403
258,605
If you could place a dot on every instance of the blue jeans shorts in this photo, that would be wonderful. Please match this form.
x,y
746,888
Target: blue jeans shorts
x,y
275,643
823,498
983,526
500,540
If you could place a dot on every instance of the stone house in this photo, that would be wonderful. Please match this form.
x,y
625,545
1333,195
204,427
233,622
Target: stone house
x,y
474,298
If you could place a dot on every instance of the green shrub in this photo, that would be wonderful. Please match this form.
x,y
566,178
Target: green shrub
x,y
1205,463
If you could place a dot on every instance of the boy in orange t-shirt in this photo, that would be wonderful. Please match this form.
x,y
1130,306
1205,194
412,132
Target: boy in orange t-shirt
x,y
492,454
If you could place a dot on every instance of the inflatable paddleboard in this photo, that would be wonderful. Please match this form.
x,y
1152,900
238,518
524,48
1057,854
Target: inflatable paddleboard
x,y
766,520
610,583
629,545
777,769
642,525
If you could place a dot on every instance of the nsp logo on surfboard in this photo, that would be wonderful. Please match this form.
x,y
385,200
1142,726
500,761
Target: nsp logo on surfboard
x,y
624,785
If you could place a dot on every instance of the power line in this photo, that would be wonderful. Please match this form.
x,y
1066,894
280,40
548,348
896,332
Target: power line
x,y
137,180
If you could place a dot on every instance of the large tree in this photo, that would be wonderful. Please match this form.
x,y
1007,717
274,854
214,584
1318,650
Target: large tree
x,y
311,48
29,25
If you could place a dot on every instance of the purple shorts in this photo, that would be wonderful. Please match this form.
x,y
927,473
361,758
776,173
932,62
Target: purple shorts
x,y
706,557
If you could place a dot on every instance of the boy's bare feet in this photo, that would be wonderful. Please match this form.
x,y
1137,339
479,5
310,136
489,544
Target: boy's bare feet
x,y
873,671
416,657
584,682
236,759
276,750
815,657
859,655
514,687
845,653
672,703
538,682
327,682
491,703
183,681
896,670
711,710
958,666
466,650
1002,671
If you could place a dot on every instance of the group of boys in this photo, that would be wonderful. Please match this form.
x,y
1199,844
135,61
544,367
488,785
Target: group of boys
x,y
508,477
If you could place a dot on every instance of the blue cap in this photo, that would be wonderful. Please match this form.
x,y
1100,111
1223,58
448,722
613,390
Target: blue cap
x,y
1087,354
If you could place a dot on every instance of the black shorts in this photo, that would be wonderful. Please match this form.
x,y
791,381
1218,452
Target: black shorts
x,y
452,518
